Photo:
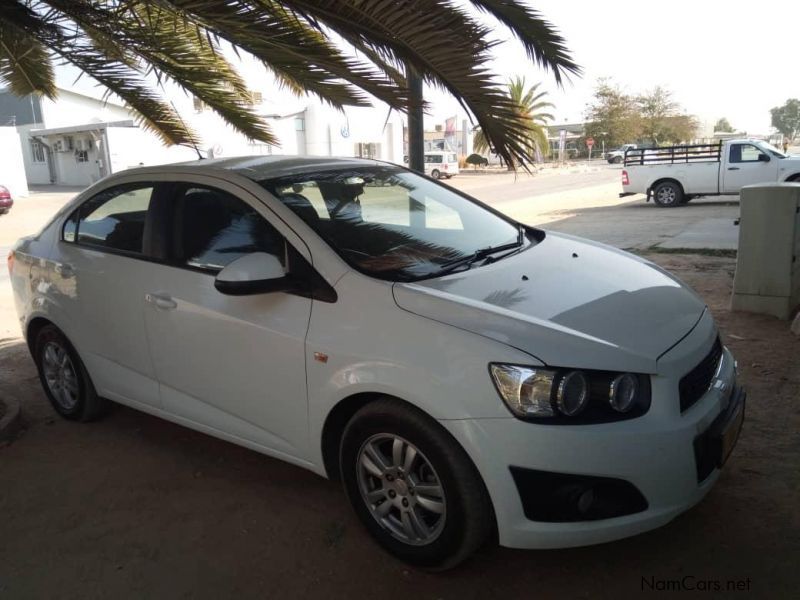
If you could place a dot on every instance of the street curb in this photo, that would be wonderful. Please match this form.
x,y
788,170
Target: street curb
x,y
11,423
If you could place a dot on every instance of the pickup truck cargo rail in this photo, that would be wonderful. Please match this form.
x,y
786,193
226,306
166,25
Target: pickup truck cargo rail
x,y
673,154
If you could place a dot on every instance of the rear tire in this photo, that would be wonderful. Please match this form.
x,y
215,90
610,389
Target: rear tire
x,y
434,529
667,194
436,174
64,377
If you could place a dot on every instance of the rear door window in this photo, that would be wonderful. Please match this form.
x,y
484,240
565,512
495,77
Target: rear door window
x,y
114,219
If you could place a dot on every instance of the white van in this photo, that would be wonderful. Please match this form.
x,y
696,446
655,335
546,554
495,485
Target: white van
x,y
441,164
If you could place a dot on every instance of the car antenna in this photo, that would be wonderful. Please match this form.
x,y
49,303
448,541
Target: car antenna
x,y
194,143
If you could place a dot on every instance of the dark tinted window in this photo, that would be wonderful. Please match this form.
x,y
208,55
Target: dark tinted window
x,y
113,219
214,228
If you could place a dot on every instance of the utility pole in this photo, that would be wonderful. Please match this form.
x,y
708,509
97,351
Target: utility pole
x,y
416,131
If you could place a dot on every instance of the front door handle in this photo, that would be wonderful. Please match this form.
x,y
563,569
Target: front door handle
x,y
733,168
161,301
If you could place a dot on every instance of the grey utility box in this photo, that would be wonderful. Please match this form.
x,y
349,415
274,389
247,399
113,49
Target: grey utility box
x,y
768,261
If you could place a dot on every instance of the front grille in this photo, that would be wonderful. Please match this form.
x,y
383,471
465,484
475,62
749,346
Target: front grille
x,y
697,381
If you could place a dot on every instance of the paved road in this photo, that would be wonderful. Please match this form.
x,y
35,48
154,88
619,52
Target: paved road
x,y
498,189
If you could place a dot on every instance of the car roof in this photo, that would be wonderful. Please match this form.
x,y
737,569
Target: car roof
x,y
259,168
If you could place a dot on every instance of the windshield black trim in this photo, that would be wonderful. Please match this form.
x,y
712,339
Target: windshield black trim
x,y
534,235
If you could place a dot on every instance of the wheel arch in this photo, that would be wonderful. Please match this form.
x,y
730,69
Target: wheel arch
x,y
661,180
795,177
33,328
338,418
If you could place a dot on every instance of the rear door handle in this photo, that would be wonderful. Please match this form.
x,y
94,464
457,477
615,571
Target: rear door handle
x,y
161,301
733,168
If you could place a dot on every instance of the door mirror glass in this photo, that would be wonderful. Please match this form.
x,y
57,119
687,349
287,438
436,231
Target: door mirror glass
x,y
763,157
255,273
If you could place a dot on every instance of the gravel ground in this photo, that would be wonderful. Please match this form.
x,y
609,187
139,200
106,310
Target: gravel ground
x,y
133,507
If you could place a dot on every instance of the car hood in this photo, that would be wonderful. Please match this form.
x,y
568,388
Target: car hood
x,y
566,301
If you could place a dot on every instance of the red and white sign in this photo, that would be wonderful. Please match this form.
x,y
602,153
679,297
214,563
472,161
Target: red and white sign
x,y
590,142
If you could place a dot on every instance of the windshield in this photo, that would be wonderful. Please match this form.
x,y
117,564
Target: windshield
x,y
772,149
391,223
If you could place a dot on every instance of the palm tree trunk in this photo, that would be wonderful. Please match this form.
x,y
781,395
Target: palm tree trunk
x,y
416,131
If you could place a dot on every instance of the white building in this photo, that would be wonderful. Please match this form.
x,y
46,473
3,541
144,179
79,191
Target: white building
x,y
78,138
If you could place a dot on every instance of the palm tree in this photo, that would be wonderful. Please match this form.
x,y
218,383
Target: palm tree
x,y
531,118
342,51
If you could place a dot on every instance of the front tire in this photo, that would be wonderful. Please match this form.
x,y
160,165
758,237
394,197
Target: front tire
x,y
436,174
667,194
616,160
64,377
413,487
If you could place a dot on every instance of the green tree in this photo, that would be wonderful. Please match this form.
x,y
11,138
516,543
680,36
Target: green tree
x,y
723,125
532,119
786,118
613,116
130,46
662,120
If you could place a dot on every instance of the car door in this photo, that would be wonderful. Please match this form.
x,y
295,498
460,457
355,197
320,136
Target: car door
x,y
235,364
100,274
747,164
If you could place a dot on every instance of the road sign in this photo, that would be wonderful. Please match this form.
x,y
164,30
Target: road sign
x,y
590,142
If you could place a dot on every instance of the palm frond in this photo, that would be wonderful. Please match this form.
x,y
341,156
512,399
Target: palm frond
x,y
289,46
543,43
172,48
25,64
154,114
441,42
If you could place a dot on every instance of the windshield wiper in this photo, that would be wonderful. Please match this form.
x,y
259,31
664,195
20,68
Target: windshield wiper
x,y
480,254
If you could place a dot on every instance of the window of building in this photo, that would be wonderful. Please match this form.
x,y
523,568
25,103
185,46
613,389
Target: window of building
x,y
214,228
37,152
82,156
199,105
112,219
300,124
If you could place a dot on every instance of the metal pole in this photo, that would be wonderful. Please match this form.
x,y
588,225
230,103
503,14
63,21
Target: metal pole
x,y
416,132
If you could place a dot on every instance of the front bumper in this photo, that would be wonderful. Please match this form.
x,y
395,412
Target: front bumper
x,y
655,453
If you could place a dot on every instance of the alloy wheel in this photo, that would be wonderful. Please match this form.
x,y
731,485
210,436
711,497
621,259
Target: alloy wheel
x,y
60,375
401,489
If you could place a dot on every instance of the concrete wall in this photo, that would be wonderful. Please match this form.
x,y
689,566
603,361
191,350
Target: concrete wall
x,y
12,166
330,132
133,147
37,173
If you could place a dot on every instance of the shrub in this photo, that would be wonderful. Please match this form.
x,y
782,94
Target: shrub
x,y
477,160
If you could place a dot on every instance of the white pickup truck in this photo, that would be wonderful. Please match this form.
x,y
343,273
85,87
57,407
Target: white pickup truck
x,y
676,174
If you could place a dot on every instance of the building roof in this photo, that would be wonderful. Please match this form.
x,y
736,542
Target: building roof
x,y
83,127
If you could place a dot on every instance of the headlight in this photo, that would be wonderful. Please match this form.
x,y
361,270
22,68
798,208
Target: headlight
x,y
527,391
623,392
571,396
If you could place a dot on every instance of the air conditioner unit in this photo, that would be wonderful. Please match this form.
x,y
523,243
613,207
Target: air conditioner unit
x,y
58,145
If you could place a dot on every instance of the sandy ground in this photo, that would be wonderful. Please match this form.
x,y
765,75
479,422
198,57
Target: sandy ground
x,y
134,507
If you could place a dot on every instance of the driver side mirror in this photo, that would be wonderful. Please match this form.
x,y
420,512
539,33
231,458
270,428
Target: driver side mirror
x,y
763,158
256,273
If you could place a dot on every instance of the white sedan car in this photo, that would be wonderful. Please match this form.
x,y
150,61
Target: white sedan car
x,y
462,374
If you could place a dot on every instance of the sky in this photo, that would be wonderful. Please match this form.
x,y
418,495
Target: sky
x,y
734,59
